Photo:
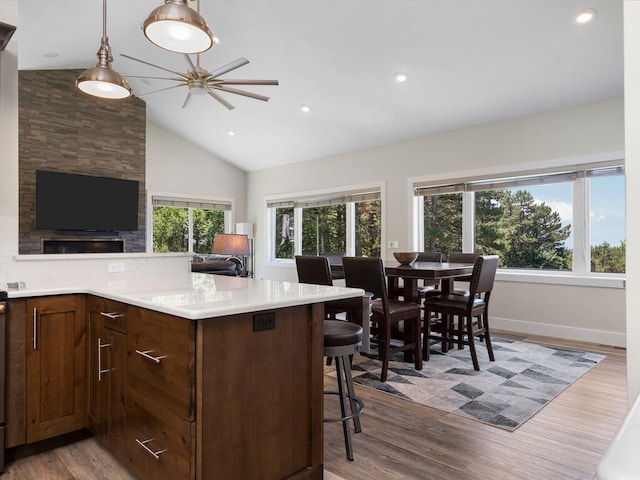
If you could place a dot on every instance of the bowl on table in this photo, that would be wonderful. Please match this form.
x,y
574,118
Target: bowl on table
x,y
405,258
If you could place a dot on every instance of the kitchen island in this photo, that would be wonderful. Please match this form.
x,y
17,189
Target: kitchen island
x,y
201,377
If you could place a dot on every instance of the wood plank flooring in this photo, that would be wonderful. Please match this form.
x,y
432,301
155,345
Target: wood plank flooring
x,y
404,440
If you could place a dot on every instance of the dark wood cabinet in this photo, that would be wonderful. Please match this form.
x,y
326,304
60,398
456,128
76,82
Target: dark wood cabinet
x,y
55,366
106,373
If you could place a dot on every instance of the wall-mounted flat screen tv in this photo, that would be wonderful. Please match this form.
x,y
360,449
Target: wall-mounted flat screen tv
x,y
67,201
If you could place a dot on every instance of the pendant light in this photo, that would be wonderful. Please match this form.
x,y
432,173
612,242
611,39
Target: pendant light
x,y
177,27
101,80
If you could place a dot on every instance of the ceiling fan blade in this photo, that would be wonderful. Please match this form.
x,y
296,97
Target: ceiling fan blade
x,y
161,90
220,99
241,92
246,82
228,67
186,100
190,63
155,66
156,78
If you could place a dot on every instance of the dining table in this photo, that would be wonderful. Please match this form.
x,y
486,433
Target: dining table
x,y
412,273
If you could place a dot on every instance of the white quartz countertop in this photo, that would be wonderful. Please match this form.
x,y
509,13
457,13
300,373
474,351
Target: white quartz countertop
x,y
195,296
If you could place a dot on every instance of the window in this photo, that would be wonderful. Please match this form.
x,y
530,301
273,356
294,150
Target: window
x,y
284,231
443,223
183,225
348,222
607,221
533,221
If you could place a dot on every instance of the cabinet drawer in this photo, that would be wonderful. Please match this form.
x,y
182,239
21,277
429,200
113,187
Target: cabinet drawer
x,y
159,443
115,315
161,359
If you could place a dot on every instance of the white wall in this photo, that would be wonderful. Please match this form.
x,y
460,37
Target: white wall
x,y
177,166
582,134
632,147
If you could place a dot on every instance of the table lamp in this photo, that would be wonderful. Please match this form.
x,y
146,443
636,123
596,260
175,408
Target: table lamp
x,y
232,244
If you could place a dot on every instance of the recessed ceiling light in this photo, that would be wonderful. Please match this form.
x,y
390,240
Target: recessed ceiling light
x,y
305,108
51,55
401,77
584,16
231,133
216,39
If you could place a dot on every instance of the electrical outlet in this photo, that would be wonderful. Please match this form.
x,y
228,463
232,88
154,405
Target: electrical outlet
x,y
114,267
393,244
264,321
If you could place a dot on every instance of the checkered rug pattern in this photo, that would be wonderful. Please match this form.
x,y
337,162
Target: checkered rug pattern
x,y
506,393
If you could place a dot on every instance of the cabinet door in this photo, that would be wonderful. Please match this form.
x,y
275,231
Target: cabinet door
x,y
106,373
114,377
96,388
55,366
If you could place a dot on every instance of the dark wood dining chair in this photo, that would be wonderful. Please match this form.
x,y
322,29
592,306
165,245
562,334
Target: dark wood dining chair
x,y
463,317
463,257
335,258
316,270
368,274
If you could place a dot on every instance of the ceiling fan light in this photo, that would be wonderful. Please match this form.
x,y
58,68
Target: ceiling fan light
x,y
176,27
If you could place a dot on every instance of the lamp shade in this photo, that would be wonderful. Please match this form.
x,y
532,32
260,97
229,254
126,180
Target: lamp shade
x,y
102,81
231,244
176,27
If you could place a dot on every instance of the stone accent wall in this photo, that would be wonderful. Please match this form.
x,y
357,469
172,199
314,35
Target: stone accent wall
x,y
63,130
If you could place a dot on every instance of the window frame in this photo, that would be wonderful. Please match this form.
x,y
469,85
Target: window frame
x,y
270,217
187,198
581,274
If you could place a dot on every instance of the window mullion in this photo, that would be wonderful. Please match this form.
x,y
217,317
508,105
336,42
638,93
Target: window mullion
x,y
350,228
297,231
581,230
468,221
190,230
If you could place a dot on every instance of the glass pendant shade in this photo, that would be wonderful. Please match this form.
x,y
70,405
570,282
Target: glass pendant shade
x,y
176,27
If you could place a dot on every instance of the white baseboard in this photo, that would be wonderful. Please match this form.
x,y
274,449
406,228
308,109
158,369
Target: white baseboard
x,y
602,337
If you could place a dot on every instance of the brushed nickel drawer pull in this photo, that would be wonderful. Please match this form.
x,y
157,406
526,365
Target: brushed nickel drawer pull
x,y
35,328
146,353
100,347
143,444
112,315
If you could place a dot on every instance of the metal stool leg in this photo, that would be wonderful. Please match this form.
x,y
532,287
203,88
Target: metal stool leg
x,y
343,407
352,394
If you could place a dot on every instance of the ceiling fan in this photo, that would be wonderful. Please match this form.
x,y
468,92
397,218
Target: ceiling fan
x,y
203,82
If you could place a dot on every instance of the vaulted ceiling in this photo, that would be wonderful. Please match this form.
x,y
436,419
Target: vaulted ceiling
x,y
468,62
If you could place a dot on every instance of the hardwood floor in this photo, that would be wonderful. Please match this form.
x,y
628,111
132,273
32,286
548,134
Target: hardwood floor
x,y
564,441
404,440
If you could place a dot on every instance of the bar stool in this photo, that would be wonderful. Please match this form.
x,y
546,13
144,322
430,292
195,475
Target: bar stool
x,y
341,340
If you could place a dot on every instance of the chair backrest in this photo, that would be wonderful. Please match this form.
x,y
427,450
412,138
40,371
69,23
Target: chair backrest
x,y
312,269
366,273
429,257
459,257
335,258
483,276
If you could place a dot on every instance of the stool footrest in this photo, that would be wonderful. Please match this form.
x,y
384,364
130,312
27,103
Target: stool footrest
x,y
357,413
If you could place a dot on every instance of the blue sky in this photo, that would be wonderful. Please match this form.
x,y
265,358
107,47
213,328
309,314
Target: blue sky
x,y
607,212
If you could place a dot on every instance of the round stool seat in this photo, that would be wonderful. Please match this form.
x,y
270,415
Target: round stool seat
x,y
338,333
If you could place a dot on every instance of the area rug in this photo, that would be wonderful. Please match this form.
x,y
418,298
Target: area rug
x,y
506,393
